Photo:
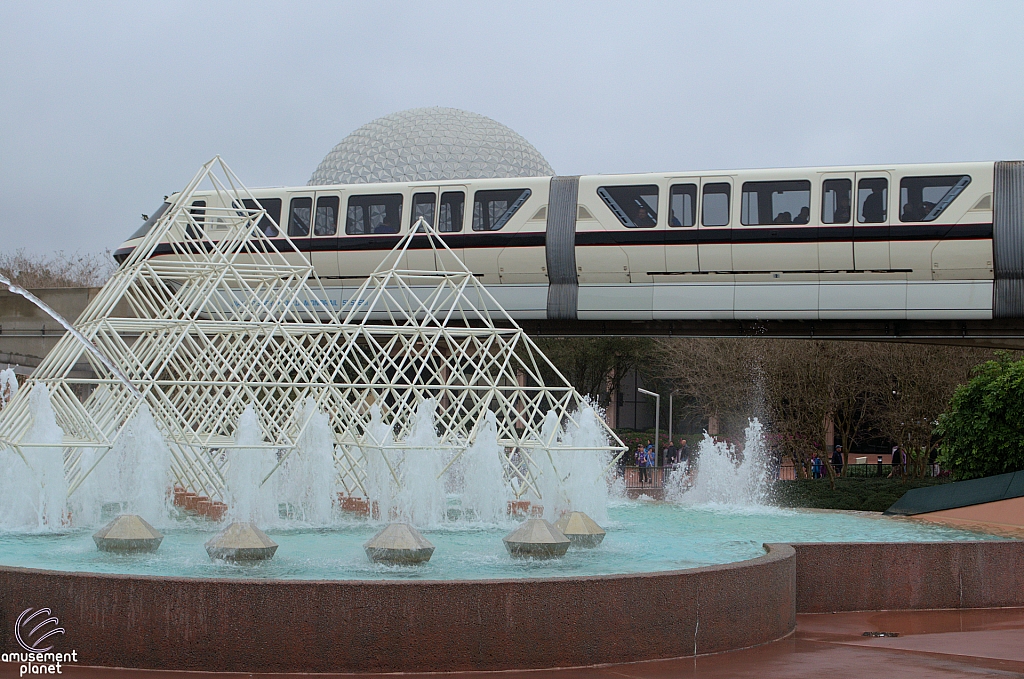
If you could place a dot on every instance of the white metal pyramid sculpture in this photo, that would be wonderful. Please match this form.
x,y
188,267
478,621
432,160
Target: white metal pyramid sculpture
x,y
217,310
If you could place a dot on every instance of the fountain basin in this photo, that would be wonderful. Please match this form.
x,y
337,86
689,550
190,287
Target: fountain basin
x,y
641,537
322,626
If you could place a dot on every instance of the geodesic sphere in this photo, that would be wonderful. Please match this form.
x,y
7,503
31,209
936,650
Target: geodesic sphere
x,y
425,144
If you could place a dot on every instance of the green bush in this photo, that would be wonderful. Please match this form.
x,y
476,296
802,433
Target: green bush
x,y
983,431
868,495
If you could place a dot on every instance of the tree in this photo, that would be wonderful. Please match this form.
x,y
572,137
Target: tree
x,y
918,381
982,432
855,392
595,366
801,381
715,377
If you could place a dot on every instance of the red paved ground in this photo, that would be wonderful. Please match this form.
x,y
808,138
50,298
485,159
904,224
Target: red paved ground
x,y
940,644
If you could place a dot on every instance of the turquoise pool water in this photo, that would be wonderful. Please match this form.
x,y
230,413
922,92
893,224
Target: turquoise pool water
x,y
642,537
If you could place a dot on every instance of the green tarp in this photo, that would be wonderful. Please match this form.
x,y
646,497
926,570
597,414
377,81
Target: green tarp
x,y
959,494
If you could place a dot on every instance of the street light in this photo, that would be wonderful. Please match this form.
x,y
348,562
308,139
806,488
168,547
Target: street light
x,y
657,420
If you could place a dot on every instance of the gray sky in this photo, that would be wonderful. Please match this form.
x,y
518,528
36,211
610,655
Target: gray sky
x,y
105,108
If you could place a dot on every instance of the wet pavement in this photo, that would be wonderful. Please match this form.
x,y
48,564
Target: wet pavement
x,y
940,644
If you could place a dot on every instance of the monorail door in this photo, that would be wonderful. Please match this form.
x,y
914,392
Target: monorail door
x,y
871,222
299,219
835,235
420,256
323,243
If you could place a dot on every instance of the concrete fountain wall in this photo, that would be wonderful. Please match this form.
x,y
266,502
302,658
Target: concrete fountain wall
x,y
389,626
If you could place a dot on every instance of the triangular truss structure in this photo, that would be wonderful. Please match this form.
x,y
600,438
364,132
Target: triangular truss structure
x,y
216,309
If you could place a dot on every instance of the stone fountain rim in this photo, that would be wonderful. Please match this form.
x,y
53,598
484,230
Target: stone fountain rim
x,y
773,551
770,549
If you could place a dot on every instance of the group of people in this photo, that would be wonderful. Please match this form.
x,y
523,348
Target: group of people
x,y
645,458
899,463
818,470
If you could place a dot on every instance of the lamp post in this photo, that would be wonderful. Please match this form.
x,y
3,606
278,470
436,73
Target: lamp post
x,y
657,420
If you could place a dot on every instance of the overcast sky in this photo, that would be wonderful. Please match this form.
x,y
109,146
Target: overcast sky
x,y
105,108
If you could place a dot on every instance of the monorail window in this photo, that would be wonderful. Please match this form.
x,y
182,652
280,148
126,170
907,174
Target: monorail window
x,y
635,206
326,223
872,199
682,205
423,205
299,213
922,199
836,197
148,224
450,214
716,204
374,214
775,203
273,216
198,212
493,209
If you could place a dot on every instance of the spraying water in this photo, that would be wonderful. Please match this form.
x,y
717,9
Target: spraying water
x,y
249,499
307,481
550,462
572,478
135,474
722,475
380,483
34,490
421,499
89,346
485,493
584,485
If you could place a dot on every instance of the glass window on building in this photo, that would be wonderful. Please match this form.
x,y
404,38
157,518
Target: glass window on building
x,y
635,206
326,223
764,203
374,214
493,209
423,205
451,212
923,199
872,200
299,212
836,198
682,205
716,204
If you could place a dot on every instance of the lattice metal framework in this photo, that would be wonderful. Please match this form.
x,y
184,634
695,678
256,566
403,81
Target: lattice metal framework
x,y
210,314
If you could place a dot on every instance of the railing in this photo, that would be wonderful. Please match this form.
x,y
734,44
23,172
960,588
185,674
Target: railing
x,y
657,475
787,472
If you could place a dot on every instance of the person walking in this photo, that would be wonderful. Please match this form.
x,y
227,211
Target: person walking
x,y
815,466
837,459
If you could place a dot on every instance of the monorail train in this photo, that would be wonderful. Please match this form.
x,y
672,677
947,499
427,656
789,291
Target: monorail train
x,y
937,241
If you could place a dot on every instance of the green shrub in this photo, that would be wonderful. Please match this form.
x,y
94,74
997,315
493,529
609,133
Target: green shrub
x,y
983,431
864,494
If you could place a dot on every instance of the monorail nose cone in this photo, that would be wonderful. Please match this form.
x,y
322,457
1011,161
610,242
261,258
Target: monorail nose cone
x,y
538,539
399,543
241,541
581,530
128,533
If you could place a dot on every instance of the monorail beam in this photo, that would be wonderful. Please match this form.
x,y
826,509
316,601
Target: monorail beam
x,y
995,334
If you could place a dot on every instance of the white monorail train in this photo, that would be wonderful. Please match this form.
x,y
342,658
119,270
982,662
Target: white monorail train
x,y
938,241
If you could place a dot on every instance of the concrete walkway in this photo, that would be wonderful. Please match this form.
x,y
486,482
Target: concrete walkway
x,y
936,644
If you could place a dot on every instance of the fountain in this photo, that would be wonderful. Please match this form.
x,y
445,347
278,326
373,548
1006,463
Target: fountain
x,y
410,404
722,475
